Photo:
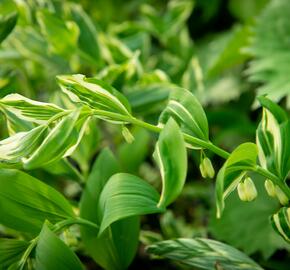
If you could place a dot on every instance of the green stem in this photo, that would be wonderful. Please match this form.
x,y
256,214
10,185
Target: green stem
x,y
274,179
194,141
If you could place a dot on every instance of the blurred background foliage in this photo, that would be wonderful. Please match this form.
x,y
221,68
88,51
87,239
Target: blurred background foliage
x,y
224,51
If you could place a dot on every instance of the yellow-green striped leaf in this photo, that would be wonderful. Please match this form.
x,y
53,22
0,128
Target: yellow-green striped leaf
x,y
60,141
201,253
281,223
272,139
187,112
19,146
96,94
22,112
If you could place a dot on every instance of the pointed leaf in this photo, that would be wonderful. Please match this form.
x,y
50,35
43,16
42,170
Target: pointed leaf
x,y
7,23
170,155
203,253
187,112
20,145
60,141
25,202
52,253
242,159
272,139
281,223
107,249
17,106
96,94
124,196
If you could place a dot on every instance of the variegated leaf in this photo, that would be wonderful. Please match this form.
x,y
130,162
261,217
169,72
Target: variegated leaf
x,y
20,145
272,139
22,112
60,141
187,112
98,95
281,223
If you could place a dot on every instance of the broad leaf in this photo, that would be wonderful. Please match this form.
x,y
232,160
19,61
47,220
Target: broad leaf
x,y
96,94
281,223
242,159
7,23
52,253
124,196
25,202
11,251
203,253
170,155
107,249
187,112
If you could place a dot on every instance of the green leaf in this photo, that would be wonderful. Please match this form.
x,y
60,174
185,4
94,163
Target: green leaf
x,y
171,157
60,141
88,37
187,112
203,253
61,36
231,230
272,139
52,253
107,249
17,106
242,159
7,23
20,145
124,196
96,94
11,251
281,223
148,98
25,202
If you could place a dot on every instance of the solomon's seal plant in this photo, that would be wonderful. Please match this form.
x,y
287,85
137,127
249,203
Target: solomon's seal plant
x,y
45,134
146,84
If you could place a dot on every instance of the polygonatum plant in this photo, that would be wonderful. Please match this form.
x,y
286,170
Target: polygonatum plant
x,y
44,134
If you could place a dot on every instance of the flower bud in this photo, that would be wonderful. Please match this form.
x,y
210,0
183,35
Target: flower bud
x,y
127,135
247,190
283,199
270,188
206,168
